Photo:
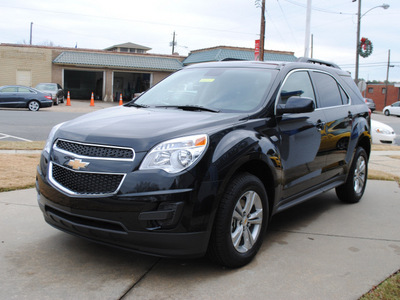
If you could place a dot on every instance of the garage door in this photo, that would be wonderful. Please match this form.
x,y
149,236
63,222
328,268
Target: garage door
x,y
24,77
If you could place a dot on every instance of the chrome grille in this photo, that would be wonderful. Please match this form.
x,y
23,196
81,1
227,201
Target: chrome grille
x,y
97,151
86,183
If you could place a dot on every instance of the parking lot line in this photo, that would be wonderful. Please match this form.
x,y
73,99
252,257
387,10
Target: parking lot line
x,y
6,136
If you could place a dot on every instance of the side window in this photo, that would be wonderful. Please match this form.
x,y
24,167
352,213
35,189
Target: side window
x,y
327,89
345,98
297,84
23,90
10,89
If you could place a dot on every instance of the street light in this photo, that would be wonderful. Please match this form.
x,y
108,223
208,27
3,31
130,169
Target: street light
x,y
359,16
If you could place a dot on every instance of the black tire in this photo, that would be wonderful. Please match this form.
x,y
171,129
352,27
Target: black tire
x,y
237,235
387,113
57,101
353,189
33,105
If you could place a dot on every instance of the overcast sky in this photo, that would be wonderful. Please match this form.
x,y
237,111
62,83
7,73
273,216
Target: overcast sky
x,y
209,23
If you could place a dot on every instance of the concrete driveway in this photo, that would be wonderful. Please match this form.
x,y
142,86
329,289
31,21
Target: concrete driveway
x,y
322,249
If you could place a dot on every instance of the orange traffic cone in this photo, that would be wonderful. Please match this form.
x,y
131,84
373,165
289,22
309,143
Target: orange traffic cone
x,y
92,100
68,100
120,99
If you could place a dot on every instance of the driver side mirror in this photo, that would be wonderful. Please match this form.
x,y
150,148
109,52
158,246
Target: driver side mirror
x,y
296,105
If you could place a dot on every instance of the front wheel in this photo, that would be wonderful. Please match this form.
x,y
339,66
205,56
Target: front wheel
x,y
353,189
240,223
33,105
387,113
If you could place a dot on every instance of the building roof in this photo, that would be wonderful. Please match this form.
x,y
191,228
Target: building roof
x,y
223,52
130,61
128,45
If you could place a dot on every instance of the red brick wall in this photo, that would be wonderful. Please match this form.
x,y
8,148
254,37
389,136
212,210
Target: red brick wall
x,y
379,97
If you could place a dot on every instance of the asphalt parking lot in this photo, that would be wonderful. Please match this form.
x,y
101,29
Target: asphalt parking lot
x,y
322,249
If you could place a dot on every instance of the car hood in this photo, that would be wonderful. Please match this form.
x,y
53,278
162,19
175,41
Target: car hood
x,y
376,124
142,128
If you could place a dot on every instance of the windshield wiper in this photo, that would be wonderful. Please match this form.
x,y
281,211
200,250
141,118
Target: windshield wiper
x,y
134,104
191,107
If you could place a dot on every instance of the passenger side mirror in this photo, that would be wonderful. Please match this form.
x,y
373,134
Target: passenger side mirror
x,y
296,105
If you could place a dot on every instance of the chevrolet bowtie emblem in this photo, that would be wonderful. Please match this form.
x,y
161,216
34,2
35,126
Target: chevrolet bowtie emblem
x,y
77,164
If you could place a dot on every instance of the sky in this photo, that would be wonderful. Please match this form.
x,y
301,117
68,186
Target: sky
x,y
209,23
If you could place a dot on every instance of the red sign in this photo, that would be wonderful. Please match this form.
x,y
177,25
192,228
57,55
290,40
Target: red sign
x,y
257,50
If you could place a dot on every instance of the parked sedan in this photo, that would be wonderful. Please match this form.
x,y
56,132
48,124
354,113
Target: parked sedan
x,y
56,91
19,96
393,109
382,133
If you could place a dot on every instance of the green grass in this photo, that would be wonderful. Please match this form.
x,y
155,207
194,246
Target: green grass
x,y
387,290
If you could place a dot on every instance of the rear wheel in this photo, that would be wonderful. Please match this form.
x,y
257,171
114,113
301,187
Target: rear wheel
x,y
33,105
353,189
240,223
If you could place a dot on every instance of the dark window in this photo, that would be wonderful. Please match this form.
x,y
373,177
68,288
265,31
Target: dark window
x,y
297,84
328,90
370,90
383,90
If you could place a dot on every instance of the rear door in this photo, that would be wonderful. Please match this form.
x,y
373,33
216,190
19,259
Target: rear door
x,y
333,101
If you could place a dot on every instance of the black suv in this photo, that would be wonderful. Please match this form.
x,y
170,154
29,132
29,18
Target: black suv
x,y
202,161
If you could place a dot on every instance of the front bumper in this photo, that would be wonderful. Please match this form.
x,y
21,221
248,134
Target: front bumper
x,y
172,223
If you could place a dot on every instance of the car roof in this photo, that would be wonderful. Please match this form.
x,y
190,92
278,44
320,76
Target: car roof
x,y
301,63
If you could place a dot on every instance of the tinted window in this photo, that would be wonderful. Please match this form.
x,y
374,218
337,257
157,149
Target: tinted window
x,y
328,90
297,84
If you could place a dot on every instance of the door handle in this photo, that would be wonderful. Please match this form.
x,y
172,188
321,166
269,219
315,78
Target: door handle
x,y
320,125
350,115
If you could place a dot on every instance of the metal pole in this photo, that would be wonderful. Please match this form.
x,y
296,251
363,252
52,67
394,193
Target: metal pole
x,y
312,46
30,41
262,31
358,41
387,78
307,37
173,44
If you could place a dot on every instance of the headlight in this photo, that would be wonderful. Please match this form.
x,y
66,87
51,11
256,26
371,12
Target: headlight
x,y
176,155
50,138
382,131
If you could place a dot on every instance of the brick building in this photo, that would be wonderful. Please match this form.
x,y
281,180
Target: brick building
x,y
124,69
377,93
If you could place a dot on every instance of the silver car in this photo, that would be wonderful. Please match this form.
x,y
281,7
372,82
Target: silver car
x,y
56,91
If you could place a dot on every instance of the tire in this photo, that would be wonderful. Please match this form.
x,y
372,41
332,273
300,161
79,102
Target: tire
x,y
62,100
387,113
237,234
33,105
353,189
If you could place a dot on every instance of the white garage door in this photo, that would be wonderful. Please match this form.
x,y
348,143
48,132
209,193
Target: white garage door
x,y
24,77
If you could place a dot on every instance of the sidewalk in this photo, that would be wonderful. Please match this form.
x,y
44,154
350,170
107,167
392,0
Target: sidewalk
x,y
321,249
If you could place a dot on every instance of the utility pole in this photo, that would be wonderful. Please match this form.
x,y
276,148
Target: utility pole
x,y
358,40
173,44
387,78
262,30
30,40
307,37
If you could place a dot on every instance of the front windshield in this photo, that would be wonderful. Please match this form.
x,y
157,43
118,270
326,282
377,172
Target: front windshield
x,y
220,89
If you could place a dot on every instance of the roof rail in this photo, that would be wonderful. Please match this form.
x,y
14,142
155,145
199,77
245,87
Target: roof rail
x,y
317,62
230,59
